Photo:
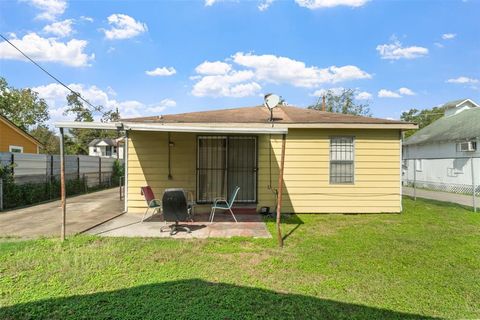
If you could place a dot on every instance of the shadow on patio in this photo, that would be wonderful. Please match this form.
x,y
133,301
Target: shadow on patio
x,y
195,299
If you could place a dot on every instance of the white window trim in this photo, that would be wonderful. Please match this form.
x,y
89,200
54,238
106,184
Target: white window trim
x,y
15,147
330,159
419,165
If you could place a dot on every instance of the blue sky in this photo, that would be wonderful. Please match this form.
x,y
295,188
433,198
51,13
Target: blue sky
x,y
149,58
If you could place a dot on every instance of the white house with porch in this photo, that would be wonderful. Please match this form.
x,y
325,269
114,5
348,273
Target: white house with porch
x,y
107,148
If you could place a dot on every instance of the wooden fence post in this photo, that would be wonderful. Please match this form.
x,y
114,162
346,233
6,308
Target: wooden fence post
x,y
62,183
280,192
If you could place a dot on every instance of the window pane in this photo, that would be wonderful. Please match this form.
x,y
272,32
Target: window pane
x,y
341,160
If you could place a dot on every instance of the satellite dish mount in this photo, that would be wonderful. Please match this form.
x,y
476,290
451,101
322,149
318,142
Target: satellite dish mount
x,y
271,101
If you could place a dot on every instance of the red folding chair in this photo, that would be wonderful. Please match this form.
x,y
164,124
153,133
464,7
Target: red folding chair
x,y
152,202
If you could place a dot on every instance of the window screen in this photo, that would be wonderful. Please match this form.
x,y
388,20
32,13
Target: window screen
x,y
341,160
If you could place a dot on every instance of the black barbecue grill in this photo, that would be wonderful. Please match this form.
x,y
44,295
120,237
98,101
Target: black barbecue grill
x,y
175,209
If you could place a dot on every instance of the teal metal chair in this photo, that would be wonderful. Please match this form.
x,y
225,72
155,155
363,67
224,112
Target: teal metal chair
x,y
224,204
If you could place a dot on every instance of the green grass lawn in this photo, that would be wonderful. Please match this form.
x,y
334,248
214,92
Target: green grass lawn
x,y
420,264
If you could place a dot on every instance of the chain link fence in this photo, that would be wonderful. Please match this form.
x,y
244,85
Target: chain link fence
x,y
458,178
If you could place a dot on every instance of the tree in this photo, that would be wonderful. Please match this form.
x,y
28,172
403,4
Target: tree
x,y
48,138
22,106
343,102
422,117
78,139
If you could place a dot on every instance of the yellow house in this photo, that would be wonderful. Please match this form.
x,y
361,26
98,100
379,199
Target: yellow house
x,y
14,139
333,162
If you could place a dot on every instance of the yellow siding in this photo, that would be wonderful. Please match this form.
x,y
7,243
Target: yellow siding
x,y
306,177
148,164
10,136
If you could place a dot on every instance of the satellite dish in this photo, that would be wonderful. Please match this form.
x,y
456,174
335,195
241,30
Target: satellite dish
x,y
271,100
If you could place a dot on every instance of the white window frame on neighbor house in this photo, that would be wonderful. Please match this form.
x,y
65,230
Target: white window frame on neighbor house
x,y
12,148
419,165
338,161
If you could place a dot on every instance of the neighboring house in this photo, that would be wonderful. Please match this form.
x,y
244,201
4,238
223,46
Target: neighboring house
x,y
15,139
107,148
443,149
333,162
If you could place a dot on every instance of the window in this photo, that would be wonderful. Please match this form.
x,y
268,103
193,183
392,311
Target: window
x,y
108,151
467,146
15,149
341,160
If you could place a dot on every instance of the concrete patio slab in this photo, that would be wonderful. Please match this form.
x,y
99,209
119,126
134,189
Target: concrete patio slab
x,y
83,212
130,225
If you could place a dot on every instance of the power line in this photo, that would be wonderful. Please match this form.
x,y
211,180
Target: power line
x,y
51,75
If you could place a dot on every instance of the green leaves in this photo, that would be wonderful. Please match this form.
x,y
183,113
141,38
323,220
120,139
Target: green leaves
x,y
343,102
422,117
22,106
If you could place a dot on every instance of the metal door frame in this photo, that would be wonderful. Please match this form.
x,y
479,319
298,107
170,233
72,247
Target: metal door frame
x,y
227,139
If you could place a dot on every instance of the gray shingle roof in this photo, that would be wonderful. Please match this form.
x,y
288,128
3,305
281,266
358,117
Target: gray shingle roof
x,y
462,126
108,141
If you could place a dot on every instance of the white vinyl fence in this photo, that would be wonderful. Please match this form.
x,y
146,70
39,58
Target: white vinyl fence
x,y
81,172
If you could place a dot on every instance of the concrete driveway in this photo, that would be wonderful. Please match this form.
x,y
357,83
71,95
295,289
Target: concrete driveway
x,y
83,212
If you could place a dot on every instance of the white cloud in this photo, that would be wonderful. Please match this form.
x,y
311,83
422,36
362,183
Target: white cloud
x,y
363,95
162,105
60,28
277,69
55,96
124,27
264,4
406,91
71,53
383,93
161,72
86,18
50,9
395,51
318,4
439,45
235,84
448,36
209,3
463,80
213,68
222,79
322,92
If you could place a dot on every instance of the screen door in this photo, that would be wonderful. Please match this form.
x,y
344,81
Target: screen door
x,y
224,162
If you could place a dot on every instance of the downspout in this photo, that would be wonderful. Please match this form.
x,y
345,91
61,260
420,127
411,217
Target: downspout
x,y
125,157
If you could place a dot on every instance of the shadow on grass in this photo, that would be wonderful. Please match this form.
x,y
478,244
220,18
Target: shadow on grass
x,y
194,299
286,220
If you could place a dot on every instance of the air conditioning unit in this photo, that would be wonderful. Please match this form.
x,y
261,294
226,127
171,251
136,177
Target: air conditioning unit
x,y
467,146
